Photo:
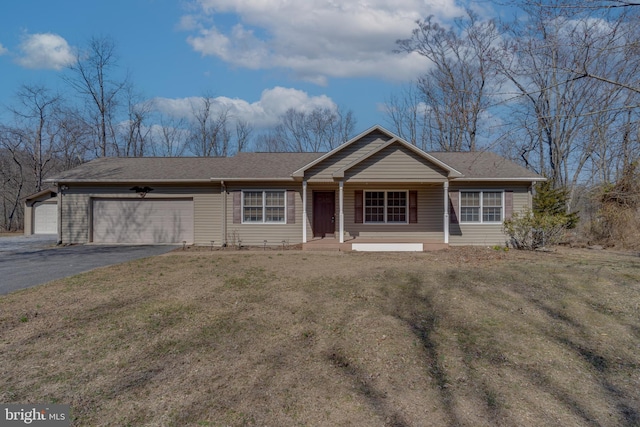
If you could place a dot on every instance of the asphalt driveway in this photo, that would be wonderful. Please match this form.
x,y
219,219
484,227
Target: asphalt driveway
x,y
28,263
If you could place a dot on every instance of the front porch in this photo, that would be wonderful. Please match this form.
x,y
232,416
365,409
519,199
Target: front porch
x,y
373,244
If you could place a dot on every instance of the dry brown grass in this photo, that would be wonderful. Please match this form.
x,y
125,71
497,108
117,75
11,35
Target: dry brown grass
x,y
464,337
11,233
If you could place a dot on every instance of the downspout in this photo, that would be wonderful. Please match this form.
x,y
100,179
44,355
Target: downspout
x,y
223,191
61,189
304,211
341,211
446,212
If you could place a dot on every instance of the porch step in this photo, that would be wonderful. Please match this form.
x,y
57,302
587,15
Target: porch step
x,y
374,245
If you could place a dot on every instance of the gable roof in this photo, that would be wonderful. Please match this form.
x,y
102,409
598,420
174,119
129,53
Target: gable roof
x,y
49,191
460,166
393,139
486,166
244,166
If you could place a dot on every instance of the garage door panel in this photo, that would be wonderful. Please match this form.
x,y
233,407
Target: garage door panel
x,y
45,218
143,220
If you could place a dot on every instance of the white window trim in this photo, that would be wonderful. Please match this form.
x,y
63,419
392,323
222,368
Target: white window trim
x,y
364,207
264,210
481,216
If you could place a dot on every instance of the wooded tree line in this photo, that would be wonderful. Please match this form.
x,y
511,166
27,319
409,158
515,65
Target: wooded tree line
x,y
556,89
101,114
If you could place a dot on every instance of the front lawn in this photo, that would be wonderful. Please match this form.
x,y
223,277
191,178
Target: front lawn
x,y
462,337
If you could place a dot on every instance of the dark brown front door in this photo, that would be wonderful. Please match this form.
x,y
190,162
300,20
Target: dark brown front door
x,y
324,210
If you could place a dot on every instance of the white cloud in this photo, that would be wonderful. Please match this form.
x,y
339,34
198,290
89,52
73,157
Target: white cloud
x,y
263,113
3,49
45,51
315,39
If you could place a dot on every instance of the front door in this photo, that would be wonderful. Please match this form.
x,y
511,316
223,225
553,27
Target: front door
x,y
324,211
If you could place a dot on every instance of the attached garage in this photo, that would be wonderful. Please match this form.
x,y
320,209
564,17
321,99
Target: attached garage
x,y
142,221
41,212
45,218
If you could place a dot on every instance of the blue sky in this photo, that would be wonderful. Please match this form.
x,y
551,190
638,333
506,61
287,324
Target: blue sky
x,y
258,56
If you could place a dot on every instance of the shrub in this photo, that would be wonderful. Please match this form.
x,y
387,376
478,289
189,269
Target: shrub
x,y
548,200
617,221
530,231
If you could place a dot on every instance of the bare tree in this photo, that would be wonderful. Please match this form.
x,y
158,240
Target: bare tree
x,y
35,130
94,75
407,114
210,135
568,118
456,89
133,134
170,137
35,144
321,129
243,135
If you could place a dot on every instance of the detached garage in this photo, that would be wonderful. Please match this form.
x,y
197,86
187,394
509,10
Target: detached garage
x,y
142,220
41,213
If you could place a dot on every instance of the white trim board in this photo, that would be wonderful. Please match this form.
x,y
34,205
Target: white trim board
x,y
387,247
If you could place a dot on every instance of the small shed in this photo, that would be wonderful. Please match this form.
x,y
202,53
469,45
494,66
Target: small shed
x,y
41,212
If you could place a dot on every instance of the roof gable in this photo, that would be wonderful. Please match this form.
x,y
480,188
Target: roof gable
x,y
375,129
348,155
378,152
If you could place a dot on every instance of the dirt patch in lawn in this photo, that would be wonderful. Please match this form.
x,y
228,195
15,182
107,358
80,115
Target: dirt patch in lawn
x,y
461,337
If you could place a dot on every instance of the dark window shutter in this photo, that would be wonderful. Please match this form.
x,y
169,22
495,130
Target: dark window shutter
x,y
358,206
237,207
508,204
453,206
291,206
413,207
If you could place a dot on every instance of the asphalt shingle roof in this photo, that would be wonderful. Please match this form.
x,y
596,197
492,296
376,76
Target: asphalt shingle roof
x,y
262,166
244,165
483,164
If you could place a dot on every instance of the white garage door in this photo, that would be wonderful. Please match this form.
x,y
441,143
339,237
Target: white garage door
x,y
142,221
45,218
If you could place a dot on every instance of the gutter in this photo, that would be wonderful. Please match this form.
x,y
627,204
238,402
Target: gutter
x,y
288,179
121,181
500,179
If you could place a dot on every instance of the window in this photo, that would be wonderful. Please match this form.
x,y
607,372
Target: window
x,y
385,207
480,206
263,206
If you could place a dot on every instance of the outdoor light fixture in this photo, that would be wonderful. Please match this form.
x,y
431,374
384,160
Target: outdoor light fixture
x,y
142,191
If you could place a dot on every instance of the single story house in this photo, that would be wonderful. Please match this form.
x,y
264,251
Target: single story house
x,y
374,192
41,212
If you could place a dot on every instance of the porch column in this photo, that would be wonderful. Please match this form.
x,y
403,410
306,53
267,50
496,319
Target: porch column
x,y
304,211
446,212
341,199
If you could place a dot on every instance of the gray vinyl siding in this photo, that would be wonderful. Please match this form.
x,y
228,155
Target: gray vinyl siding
x,y
76,209
28,220
256,234
430,214
395,164
323,171
488,234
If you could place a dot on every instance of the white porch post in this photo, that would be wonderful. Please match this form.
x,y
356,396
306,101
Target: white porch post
x,y
446,212
341,198
304,211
